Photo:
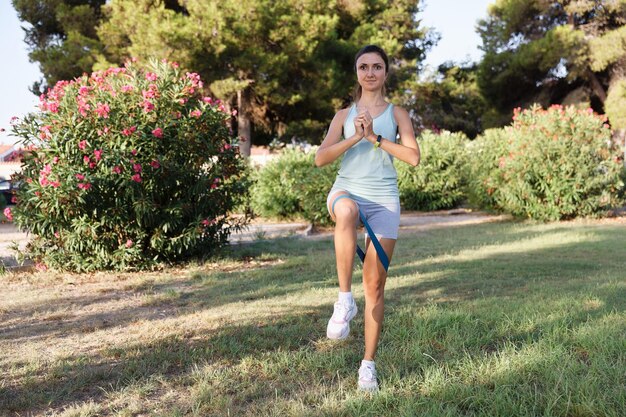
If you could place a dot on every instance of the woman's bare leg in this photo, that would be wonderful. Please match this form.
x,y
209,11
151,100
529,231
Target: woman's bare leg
x,y
374,277
346,217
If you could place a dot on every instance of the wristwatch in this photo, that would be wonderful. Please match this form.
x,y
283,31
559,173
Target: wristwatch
x,y
378,139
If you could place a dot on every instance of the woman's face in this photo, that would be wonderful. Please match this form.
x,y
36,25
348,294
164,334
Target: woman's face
x,y
370,70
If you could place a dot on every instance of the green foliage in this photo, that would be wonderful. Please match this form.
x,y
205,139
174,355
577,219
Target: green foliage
x,y
552,164
449,100
293,59
438,182
549,52
291,186
127,168
482,169
615,105
61,36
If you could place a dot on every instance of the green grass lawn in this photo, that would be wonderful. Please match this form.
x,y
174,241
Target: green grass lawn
x,y
499,319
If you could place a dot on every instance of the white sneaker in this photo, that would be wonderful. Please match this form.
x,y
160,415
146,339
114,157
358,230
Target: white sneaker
x,y
339,324
367,378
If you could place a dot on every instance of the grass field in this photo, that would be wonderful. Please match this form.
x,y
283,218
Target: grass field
x,y
500,319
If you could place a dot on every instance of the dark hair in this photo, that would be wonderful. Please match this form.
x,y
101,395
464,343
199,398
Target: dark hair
x,y
367,50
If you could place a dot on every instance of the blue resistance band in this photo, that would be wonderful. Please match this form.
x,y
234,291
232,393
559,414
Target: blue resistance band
x,y
379,249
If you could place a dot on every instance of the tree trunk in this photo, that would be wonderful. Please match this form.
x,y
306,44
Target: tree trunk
x,y
244,124
596,86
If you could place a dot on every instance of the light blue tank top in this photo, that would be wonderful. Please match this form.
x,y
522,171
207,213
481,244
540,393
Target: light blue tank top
x,y
367,171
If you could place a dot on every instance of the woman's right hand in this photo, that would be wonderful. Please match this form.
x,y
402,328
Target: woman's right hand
x,y
358,126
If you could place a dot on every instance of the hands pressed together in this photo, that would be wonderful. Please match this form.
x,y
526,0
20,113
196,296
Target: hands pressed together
x,y
364,125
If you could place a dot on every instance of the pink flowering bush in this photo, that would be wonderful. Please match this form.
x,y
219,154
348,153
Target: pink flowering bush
x,y
549,165
128,168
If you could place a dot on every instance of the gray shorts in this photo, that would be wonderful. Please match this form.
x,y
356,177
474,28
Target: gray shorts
x,y
383,218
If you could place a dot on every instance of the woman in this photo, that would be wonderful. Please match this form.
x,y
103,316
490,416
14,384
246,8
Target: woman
x,y
367,184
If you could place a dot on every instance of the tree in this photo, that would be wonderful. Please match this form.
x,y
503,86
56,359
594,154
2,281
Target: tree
x,y
448,99
553,52
61,36
286,66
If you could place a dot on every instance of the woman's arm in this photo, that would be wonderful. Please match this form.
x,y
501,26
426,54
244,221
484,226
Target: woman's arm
x,y
407,150
332,148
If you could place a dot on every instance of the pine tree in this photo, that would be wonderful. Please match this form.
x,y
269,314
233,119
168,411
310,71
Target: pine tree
x,y
554,52
61,36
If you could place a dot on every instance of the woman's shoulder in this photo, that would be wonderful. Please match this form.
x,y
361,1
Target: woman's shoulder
x,y
400,113
342,114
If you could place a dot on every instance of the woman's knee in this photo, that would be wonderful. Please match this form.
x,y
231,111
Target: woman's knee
x,y
373,288
346,211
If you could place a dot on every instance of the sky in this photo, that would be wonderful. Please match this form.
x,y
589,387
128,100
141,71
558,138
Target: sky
x,y
455,20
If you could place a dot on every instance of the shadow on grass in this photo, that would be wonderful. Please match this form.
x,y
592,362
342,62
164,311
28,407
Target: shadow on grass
x,y
521,275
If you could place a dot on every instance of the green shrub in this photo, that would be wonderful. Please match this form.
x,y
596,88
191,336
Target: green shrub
x,y
291,186
558,164
127,168
482,168
438,182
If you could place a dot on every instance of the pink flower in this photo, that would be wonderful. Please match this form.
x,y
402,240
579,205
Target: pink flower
x,y
86,159
97,154
207,100
83,109
158,132
2,129
151,76
55,159
126,88
175,65
207,222
8,214
14,120
196,113
102,110
134,152
195,79
92,165
147,106
40,266
82,145
117,169
79,177
136,178
234,112
44,132
55,184
155,164
53,107
129,243
149,94
84,186
83,91
137,168
182,101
